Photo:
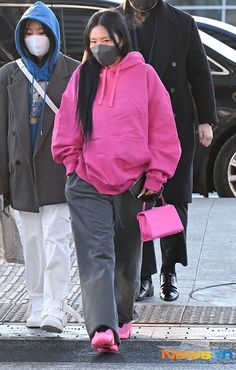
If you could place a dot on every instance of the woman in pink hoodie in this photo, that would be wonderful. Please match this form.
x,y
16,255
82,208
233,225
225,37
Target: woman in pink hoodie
x,y
114,126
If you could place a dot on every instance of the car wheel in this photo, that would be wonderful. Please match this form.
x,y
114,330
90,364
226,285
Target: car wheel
x,y
225,169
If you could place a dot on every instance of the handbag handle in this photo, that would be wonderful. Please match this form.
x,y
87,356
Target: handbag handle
x,y
160,197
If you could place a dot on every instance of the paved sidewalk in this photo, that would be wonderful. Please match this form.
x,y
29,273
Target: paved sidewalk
x,y
209,280
207,285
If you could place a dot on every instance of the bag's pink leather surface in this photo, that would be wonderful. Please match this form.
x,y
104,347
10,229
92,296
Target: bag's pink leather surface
x,y
159,222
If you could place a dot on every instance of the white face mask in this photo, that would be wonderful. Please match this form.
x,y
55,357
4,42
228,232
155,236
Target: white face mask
x,y
37,45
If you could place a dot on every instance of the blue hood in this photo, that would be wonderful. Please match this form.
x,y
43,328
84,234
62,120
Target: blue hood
x,y
41,13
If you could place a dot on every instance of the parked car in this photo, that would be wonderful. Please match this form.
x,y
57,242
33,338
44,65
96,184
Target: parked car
x,y
215,166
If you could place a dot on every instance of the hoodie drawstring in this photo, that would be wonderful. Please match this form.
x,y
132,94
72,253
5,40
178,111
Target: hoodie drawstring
x,y
111,100
103,86
100,100
43,103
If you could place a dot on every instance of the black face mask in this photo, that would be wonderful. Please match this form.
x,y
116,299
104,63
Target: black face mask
x,y
106,55
144,5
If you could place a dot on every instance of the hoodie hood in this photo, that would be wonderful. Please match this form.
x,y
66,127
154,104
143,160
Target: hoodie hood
x,y
41,13
130,60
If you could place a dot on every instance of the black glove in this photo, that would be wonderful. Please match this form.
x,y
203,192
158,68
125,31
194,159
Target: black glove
x,y
150,198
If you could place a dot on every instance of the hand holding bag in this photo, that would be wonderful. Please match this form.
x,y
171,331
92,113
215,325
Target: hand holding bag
x,y
159,222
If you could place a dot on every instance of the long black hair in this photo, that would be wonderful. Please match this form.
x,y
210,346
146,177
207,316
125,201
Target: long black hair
x,y
114,23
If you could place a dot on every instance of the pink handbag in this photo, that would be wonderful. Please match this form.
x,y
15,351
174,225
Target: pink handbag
x,y
159,222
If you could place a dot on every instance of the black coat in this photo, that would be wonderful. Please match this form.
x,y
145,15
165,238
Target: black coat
x,y
30,180
178,56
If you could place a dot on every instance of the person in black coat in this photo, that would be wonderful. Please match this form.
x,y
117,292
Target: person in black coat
x,y
169,40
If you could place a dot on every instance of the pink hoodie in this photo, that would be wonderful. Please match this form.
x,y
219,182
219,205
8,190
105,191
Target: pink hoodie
x,y
134,130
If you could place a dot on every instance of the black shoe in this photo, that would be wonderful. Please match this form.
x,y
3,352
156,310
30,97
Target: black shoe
x,y
146,290
168,286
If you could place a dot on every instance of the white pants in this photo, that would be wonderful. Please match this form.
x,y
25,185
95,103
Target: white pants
x,y
45,238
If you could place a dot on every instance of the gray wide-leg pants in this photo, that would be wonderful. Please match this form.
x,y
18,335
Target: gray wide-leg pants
x,y
109,252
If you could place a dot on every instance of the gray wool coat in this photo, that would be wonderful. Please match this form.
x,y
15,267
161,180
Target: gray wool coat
x,y
30,180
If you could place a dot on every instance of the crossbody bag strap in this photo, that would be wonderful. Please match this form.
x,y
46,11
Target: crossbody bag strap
x,y
36,85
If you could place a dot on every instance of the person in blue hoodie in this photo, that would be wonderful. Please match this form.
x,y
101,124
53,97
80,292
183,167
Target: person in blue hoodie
x,y
31,182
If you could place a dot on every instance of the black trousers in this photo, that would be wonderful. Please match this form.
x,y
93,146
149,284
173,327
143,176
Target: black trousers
x,y
173,247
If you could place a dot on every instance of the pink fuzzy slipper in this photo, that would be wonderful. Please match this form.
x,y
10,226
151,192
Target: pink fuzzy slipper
x,y
104,341
125,331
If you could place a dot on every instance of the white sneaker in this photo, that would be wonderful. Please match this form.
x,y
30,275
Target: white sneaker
x,y
34,321
53,321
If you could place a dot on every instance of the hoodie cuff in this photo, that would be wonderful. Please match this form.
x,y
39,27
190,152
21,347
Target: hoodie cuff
x,y
70,167
152,183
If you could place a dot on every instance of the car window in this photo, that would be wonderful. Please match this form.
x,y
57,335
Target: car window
x,y
217,69
73,23
8,20
220,35
216,45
